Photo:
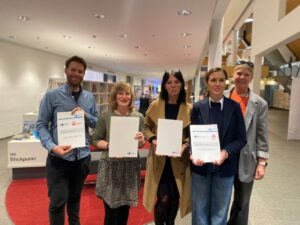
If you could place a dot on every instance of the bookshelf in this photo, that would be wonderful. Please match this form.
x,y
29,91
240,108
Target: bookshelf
x,y
100,90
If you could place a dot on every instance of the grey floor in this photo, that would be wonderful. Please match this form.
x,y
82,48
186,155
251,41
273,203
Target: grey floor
x,y
275,199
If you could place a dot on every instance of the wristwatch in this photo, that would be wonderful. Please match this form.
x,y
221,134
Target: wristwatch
x,y
264,164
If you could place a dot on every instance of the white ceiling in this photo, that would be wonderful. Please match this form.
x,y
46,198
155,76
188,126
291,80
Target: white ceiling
x,y
154,42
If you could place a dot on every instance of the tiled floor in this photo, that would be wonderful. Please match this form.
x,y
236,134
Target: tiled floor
x,y
275,199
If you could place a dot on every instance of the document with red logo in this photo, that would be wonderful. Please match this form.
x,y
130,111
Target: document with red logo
x,y
205,143
70,129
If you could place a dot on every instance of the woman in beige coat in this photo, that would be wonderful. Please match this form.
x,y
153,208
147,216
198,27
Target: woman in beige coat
x,y
167,182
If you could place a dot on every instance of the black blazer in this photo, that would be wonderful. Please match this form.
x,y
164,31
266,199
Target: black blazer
x,y
233,135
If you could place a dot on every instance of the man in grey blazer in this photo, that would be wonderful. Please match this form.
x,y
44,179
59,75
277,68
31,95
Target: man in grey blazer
x,y
253,157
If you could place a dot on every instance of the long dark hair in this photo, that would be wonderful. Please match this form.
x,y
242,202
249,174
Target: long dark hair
x,y
164,94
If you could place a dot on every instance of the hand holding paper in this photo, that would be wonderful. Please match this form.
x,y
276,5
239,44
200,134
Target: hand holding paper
x,y
62,150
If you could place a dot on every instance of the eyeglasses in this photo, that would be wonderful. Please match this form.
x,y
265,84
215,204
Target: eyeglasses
x,y
250,64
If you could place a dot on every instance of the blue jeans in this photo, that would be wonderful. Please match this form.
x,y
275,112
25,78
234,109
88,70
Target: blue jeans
x,y
210,198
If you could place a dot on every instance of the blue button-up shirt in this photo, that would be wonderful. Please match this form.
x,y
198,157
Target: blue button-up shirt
x,y
61,100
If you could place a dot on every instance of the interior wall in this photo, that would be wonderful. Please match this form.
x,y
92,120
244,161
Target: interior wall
x,y
270,29
24,74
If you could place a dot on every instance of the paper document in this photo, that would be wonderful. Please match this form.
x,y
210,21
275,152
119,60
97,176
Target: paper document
x,y
122,133
169,137
71,129
205,142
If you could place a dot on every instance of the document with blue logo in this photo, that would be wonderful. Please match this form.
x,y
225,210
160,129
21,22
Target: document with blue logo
x,y
205,143
122,133
71,129
169,137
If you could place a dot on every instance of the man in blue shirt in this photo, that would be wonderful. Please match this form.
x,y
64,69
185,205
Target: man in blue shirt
x,y
66,167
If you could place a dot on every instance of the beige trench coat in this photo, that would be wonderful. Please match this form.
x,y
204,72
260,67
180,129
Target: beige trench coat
x,y
155,164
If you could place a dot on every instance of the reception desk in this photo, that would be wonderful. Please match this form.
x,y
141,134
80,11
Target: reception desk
x,y
27,158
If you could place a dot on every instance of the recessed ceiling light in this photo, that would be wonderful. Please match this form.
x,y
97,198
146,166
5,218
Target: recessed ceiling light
x,y
249,20
123,35
66,36
23,18
184,12
186,34
99,16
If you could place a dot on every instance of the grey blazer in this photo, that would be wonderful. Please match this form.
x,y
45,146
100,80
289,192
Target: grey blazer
x,y
256,122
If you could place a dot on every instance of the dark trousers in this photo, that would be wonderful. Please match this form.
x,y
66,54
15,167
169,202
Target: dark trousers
x,y
239,212
65,181
116,216
166,207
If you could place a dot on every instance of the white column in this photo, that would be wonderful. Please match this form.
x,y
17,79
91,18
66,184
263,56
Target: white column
x,y
234,46
215,44
197,86
256,74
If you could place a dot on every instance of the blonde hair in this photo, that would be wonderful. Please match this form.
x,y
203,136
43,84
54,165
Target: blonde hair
x,y
243,66
118,87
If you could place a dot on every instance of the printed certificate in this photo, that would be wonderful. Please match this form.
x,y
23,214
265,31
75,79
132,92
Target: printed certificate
x,y
169,137
122,133
71,129
205,142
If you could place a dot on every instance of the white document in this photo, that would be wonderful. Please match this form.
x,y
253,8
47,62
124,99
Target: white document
x,y
122,133
169,137
205,143
71,129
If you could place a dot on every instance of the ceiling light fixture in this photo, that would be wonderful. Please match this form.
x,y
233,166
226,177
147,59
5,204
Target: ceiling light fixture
x,y
66,36
186,34
123,36
23,18
184,12
99,16
249,20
